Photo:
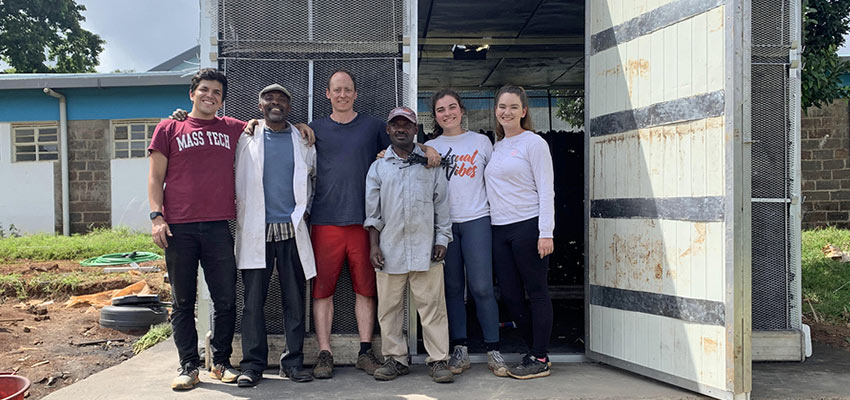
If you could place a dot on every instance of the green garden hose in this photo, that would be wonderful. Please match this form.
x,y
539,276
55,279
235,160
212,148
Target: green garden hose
x,y
120,258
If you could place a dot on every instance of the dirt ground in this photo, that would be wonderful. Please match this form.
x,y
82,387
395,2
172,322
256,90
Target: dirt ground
x,y
55,346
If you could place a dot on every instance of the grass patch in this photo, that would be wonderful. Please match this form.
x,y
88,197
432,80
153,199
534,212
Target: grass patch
x,y
156,334
826,283
46,247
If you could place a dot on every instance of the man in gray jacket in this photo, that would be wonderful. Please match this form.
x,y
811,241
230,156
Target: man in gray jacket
x,y
407,215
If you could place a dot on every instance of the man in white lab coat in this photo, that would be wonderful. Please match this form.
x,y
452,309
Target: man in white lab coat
x,y
274,179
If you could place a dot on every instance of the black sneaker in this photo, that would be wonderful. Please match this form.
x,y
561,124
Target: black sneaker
x,y
296,374
391,370
248,378
530,368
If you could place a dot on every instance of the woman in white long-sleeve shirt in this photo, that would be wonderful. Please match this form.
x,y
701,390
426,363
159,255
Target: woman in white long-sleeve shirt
x,y
520,188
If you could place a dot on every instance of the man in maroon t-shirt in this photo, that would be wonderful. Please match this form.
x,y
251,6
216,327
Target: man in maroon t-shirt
x,y
191,193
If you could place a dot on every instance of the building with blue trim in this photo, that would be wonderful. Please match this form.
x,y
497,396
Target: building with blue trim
x,y
109,122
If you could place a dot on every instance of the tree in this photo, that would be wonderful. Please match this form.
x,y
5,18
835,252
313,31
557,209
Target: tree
x,y
571,106
45,36
825,23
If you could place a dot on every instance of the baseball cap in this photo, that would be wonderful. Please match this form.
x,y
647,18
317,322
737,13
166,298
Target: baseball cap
x,y
402,112
275,87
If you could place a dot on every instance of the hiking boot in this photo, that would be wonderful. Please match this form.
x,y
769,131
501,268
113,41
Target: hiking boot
x,y
224,372
324,368
249,378
439,372
368,362
296,374
390,370
187,379
496,363
530,368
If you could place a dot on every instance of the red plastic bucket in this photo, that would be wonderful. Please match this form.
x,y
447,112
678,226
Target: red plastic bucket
x,y
13,387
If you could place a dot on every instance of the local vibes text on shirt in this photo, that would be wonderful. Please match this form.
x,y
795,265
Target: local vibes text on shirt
x,y
200,138
460,167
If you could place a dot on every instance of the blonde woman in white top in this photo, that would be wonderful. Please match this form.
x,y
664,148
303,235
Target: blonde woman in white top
x,y
469,257
520,190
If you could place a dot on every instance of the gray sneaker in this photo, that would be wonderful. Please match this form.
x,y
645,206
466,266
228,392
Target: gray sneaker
x,y
187,379
324,368
225,373
439,372
459,360
496,363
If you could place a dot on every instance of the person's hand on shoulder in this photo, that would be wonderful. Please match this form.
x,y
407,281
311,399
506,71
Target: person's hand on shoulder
x,y
306,133
249,126
179,115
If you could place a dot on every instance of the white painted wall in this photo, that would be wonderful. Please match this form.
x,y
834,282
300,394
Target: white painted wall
x,y
130,193
26,197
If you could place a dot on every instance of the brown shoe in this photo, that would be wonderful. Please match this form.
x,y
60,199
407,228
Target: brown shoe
x,y
324,368
368,362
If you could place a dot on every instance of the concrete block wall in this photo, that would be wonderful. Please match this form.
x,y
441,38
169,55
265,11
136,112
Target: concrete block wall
x,y
89,157
825,158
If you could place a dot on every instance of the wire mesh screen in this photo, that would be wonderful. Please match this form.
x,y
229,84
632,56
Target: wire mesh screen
x,y
771,166
770,249
246,77
298,44
378,86
770,131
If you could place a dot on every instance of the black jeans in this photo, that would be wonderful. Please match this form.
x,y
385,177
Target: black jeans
x,y
520,270
255,347
212,245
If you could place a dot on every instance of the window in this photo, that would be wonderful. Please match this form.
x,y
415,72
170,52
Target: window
x,y
131,138
36,142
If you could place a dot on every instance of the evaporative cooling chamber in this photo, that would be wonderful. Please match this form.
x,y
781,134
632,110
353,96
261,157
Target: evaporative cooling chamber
x,y
680,196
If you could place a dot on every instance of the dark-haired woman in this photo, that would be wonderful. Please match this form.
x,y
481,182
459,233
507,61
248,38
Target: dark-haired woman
x,y
520,190
468,257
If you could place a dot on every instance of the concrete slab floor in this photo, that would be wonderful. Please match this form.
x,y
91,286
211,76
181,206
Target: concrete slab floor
x,y
148,376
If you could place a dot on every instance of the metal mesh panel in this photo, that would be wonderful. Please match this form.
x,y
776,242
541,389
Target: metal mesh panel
x,y
246,77
378,86
771,166
263,41
769,266
770,131
308,29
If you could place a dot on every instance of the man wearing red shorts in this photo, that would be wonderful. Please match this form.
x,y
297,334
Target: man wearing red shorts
x,y
346,145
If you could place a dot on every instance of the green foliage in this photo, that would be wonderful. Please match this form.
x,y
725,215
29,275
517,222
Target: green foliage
x,y
571,106
46,247
156,334
826,283
825,24
35,33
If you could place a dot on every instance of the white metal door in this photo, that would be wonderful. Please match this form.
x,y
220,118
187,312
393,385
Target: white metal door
x,y
668,253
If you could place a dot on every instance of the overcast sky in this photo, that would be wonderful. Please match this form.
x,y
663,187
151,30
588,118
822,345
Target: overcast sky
x,y
141,34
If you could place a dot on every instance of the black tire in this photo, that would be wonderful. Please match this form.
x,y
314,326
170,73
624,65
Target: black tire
x,y
136,299
132,318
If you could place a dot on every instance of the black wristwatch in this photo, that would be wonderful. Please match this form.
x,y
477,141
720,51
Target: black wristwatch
x,y
155,214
